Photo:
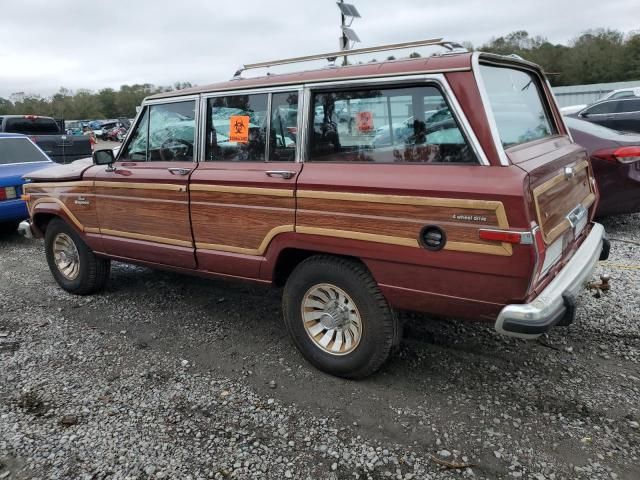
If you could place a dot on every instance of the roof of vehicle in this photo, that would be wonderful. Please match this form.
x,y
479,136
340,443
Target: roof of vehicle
x,y
433,64
11,135
26,116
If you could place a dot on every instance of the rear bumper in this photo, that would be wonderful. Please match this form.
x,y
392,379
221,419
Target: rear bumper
x,y
556,304
12,210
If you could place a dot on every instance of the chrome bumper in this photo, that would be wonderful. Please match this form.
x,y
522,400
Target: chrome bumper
x,y
557,300
24,229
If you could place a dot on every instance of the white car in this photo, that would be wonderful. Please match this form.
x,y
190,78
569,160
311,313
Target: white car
x,y
622,93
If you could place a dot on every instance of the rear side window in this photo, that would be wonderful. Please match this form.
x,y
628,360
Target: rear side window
x,y
32,126
385,125
628,106
237,127
518,107
19,150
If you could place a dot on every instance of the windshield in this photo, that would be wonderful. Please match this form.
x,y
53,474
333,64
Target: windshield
x,y
19,150
517,105
32,126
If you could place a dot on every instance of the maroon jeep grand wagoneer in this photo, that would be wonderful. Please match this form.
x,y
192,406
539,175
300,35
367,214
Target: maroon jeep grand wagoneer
x,y
448,185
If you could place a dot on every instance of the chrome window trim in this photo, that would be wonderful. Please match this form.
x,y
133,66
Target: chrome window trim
x,y
204,105
267,140
488,111
148,104
555,100
438,79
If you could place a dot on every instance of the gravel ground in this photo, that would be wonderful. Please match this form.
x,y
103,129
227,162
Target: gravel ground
x,y
164,376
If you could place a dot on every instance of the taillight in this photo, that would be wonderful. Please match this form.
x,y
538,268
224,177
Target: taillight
x,y
508,236
3,194
620,154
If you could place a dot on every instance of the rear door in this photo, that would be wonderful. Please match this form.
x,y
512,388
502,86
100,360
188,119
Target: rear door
x,y
143,202
243,193
627,117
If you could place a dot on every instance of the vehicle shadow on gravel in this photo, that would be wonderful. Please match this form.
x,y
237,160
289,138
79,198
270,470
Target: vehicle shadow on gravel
x,y
445,371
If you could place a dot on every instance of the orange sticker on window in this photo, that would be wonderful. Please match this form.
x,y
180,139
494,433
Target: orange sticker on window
x,y
239,128
364,121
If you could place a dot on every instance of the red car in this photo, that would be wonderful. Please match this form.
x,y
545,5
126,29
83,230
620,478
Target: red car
x,y
288,180
615,157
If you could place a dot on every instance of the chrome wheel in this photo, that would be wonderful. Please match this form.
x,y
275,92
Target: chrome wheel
x,y
331,319
65,254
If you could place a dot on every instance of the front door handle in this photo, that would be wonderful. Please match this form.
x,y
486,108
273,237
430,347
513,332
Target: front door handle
x,y
179,171
286,174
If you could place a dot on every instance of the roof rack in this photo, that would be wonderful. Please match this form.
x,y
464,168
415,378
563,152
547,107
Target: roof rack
x,y
331,56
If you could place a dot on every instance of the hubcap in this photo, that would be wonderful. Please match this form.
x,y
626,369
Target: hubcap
x,y
66,256
331,319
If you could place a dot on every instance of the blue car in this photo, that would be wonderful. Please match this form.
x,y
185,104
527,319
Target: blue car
x,y
18,156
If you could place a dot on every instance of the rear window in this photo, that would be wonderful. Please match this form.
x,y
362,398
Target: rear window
x,y
19,150
32,126
517,105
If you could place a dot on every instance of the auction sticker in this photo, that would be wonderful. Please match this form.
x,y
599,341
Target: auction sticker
x,y
239,128
364,121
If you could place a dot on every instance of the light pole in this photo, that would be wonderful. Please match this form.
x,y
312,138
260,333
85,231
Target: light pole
x,y
348,34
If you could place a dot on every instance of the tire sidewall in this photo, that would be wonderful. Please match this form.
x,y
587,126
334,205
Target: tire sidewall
x,y
53,229
348,365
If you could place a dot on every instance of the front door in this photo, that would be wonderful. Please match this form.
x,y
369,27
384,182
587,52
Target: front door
x,y
242,195
143,201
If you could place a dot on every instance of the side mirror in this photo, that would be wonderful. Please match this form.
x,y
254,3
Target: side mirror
x,y
103,157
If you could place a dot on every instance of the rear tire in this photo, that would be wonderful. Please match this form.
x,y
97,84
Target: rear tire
x,y
338,317
72,263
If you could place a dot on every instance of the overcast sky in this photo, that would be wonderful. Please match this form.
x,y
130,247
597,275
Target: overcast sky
x,y
94,44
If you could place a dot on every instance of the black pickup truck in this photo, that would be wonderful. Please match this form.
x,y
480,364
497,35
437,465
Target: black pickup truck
x,y
48,135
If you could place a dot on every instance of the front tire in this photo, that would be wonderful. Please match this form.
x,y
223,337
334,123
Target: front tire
x,y
72,263
337,316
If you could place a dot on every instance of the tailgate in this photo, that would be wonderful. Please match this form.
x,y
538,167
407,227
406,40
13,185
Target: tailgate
x,y
561,185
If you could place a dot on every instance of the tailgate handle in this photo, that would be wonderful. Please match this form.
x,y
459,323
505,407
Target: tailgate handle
x,y
179,171
286,174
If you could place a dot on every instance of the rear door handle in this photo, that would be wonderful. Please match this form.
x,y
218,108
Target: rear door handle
x,y
286,174
179,171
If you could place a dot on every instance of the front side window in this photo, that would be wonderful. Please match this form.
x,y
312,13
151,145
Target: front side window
x,y
517,104
165,133
136,149
236,128
384,125
20,150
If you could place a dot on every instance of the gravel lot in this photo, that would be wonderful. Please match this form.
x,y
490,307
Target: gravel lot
x,y
164,376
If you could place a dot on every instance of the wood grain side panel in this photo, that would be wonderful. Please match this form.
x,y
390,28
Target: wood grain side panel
x,y
410,212
75,198
399,219
136,216
237,226
388,226
240,199
556,197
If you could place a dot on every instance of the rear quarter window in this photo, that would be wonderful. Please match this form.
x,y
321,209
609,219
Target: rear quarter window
x,y
519,109
32,126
